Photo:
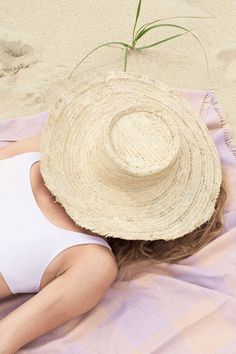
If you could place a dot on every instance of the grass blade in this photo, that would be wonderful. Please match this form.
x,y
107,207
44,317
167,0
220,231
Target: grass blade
x,y
168,18
177,26
141,34
102,45
113,46
164,40
126,55
137,16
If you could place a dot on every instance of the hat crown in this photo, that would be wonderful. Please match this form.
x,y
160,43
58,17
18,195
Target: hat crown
x,y
136,143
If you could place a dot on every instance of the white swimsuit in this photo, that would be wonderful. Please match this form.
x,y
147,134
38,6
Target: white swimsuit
x,y
28,241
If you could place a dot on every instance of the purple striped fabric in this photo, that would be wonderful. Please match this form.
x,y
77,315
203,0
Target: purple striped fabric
x,y
184,308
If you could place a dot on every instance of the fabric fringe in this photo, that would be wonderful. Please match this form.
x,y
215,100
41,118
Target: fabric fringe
x,y
228,132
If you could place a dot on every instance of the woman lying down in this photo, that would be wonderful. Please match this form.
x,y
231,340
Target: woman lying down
x,y
121,167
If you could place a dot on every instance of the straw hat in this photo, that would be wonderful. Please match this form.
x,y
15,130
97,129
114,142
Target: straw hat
x,y
128,158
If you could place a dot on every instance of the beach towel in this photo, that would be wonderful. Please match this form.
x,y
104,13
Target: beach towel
x,y
184,308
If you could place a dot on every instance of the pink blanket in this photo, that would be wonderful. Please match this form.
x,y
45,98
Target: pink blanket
x,y
184,308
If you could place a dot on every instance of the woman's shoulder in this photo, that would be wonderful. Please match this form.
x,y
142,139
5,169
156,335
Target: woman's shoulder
x,y
29,144
95,252
90,255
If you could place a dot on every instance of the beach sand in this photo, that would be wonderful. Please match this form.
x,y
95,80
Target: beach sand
x,y
42,41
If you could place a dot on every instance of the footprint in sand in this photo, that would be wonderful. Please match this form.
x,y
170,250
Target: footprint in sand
x,y
227,54
227,57
15,52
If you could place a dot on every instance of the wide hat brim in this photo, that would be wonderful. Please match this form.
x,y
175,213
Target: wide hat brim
x,y
180,189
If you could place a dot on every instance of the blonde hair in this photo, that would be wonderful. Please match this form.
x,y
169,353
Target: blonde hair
x,y
130,252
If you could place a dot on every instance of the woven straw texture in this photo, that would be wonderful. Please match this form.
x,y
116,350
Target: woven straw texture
x,y
128,158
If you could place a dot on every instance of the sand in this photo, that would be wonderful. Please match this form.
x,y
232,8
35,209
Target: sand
x,y
41,42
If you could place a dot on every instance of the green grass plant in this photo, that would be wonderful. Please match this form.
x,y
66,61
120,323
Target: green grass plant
x,y
142,31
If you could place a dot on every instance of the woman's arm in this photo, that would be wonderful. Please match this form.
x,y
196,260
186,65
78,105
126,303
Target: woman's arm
x,y
18,147
73,293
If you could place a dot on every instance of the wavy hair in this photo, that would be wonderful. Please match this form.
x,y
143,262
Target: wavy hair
x,y
130,252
